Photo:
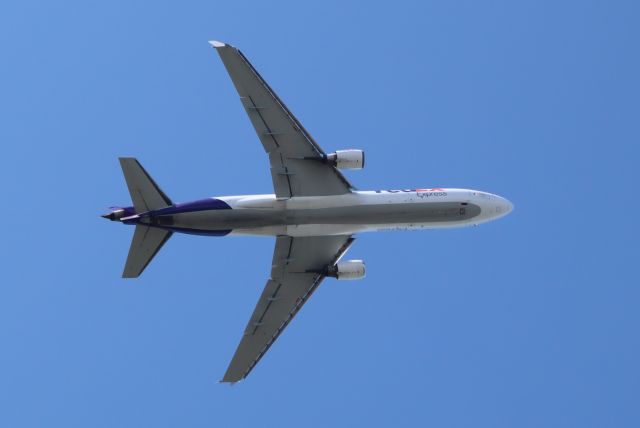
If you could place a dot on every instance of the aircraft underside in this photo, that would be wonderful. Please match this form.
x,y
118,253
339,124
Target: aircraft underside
x,y
313,214
321,221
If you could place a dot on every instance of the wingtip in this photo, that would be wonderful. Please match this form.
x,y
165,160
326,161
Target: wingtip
x,y
216,44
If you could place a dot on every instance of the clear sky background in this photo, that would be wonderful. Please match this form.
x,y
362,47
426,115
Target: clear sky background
x,y
530,321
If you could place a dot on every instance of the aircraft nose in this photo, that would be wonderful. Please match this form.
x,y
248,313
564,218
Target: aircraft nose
x,y
503,206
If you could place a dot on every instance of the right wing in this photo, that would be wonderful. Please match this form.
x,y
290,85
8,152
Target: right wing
x,y
297,167
296,273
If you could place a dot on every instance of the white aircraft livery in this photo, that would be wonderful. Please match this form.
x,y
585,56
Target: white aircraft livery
x,y
313,214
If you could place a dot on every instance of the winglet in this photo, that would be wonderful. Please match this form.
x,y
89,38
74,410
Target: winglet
x,y
216,44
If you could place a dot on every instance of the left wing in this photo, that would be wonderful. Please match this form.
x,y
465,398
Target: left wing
x,y
297,167
296,273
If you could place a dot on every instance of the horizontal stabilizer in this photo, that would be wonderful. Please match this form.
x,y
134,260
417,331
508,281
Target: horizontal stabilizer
x,y
146,195
146,243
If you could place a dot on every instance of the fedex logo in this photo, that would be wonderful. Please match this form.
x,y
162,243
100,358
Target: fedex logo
x,y
422,193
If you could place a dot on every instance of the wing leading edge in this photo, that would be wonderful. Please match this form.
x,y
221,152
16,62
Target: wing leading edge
x,y
294,156
295,275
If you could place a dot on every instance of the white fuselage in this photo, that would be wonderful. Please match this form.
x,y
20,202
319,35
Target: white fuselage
x,y
359,211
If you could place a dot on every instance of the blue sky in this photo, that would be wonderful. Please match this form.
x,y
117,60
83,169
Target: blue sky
x,y
528,321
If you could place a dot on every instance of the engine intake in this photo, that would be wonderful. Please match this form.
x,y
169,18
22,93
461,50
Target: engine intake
x,y
347,159
349,270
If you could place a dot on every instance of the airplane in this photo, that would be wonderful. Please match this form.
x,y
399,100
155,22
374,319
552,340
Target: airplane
x,y
313,214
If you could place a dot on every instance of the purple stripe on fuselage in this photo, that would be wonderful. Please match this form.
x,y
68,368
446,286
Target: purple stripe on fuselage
x,y
128,211
187,207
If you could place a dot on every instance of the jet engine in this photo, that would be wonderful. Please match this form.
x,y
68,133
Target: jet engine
x,y
351,269
346,159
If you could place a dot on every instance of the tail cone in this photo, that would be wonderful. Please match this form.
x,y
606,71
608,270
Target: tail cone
x,y
114,215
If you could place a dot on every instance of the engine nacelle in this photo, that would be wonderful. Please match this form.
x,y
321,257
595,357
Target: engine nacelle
x,y
351,269
347,159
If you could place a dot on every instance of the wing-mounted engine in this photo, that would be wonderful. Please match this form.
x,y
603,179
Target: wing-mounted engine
x,y
351,269
346,159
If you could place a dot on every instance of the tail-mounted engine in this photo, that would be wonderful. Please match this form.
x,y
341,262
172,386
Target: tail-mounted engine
x,y
351,269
